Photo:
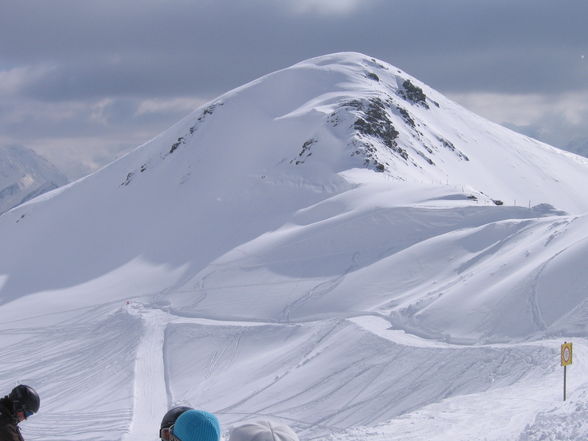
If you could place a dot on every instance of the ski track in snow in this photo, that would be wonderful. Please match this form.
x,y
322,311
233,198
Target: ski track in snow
x,y
527,411
149,387
321,289
150,383
509,408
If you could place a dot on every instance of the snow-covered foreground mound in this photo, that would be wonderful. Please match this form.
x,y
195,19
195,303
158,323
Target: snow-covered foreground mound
x,y
335,244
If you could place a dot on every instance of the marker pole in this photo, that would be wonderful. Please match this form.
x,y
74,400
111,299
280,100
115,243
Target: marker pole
x,y
565,382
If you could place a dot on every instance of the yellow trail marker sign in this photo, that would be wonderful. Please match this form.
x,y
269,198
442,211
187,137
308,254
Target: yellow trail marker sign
x,y
566,354
566,360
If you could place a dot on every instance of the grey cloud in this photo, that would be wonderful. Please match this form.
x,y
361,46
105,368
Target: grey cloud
x,y
159,48
553,128
501,71
115,116
169,76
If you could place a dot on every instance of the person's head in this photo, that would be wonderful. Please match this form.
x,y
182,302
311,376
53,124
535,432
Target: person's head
x,y
25,401
169,419
263,430
196,425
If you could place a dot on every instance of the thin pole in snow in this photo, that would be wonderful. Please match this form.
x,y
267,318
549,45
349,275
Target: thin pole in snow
x,y
566,358
565,382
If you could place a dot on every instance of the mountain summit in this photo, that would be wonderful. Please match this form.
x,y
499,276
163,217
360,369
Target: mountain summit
x,y
344,111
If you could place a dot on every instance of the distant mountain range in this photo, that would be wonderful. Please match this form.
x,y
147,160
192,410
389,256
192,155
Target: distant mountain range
x,y
24,175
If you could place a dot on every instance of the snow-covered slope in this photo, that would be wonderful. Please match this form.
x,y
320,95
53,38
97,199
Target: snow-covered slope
x,y
24,175
253,259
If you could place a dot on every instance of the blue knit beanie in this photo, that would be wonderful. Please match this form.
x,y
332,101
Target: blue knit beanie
x,y
197,425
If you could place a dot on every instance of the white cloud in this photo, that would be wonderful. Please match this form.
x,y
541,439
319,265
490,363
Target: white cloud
x,y
76,156
13,80
177,105
325,6
515,109
555,118
98,112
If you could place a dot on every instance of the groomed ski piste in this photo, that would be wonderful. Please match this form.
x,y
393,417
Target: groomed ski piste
x,y
335,245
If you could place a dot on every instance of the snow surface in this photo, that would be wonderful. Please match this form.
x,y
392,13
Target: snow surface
x,y
322,245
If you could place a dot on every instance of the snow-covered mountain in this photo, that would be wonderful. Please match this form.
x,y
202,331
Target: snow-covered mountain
x,y
335,244
25,175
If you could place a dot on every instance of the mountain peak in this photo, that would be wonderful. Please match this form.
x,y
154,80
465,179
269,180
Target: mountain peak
x,y
24,175
342,111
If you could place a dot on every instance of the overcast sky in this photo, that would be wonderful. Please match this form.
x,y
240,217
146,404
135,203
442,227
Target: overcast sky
x,y
83,80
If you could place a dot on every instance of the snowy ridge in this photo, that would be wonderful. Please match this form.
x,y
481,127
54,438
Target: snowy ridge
x,y
334,244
